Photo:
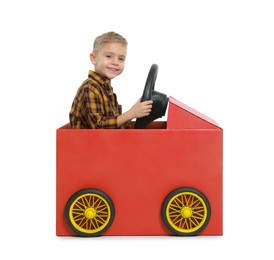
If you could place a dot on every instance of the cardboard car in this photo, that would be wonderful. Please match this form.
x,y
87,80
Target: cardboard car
x,y
161,179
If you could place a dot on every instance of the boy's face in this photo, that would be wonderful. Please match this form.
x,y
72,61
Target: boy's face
x,y
109,61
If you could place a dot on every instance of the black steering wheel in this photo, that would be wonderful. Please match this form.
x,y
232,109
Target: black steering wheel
x,y
160,100
150,83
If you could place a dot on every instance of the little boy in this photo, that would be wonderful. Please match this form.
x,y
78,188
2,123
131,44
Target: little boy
x,y
95,104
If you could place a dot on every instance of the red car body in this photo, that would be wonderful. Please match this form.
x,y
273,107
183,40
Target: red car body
x,y
138,168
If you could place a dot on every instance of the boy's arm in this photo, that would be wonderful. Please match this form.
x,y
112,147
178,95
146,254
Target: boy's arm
x,y
139,109
125,117
95,111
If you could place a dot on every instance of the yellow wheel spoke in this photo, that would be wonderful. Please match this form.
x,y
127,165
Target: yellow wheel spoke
x,y
175,218
94,224
100,220
89,200
186,224
178,202
187,199
95,200
103,207
85,200
78,215
195,203
77,211
80,205
99,203
180,218
175,215
85,223
195,223
197,218
79,218
198,214
81,221
174,209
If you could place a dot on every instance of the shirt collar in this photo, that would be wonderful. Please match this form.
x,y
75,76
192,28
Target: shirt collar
x,y
103,81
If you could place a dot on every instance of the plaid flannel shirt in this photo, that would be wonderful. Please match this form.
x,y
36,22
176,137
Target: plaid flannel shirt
x,y
95,105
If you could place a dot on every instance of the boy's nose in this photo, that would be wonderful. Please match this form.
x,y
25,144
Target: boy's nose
x,y
115,61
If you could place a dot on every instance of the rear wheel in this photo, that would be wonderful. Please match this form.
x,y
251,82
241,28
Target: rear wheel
x,y
89,212
186,211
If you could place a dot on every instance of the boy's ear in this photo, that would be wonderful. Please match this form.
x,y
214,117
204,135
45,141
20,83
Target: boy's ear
x,y
92,58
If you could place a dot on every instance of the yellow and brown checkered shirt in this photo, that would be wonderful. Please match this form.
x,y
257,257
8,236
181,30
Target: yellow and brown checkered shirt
x,y
95,105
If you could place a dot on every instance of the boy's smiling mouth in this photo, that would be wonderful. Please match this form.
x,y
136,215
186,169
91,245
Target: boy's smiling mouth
x,y
112,69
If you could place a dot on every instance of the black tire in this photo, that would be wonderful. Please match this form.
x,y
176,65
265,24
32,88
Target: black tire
x,y
89,212
186,212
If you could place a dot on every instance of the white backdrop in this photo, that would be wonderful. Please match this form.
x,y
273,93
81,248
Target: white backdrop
x,y
215,56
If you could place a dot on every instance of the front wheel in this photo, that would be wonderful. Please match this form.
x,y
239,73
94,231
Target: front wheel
x,y
186,211
89,212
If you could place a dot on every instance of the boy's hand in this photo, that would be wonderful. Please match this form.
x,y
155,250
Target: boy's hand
x,y
141,109
138,110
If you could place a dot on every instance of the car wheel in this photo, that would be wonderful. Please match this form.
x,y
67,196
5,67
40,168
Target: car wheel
x,y
89,212
186,211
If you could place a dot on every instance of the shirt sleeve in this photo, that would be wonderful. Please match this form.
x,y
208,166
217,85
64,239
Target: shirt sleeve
x,y
98,114
127,124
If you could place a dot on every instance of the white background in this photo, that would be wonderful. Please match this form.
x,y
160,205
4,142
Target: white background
x,y
215,56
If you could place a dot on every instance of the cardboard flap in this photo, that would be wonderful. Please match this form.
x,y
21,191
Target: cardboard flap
x,y
181,116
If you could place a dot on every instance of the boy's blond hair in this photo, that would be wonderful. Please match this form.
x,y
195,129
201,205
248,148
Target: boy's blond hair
x,y
109,37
